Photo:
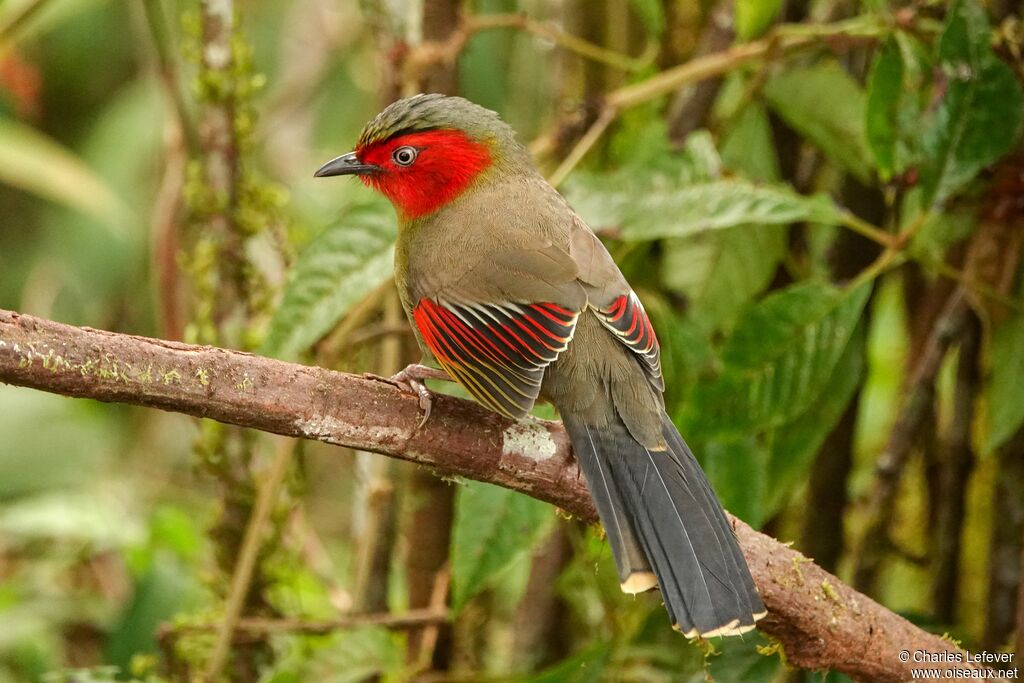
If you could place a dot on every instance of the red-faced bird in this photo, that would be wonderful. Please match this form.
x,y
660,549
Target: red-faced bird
x,y
517,300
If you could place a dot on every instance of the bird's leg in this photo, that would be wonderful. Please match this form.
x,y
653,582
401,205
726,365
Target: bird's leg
x,y
412,378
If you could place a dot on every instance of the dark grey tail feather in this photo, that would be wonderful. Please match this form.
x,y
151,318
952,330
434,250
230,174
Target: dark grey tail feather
x,y
738,563
659,511
604,489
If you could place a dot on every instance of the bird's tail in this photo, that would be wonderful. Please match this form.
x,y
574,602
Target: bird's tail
x,y
660,514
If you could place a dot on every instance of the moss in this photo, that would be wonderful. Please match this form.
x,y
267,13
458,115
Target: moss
x,y
773,648
830,592
229,206
224,219
795,563
838,606
246,384
958,644
171,377
105,366
769,650
202,268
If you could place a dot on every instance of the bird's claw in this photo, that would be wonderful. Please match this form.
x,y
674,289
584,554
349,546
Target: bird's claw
x,y
411,378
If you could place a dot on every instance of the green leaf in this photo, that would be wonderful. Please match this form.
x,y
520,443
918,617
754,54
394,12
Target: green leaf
x,y
779,358
353,655
25,20
343,264
744,660
685,348
651,15
36,423
940,231
494,527
885,91
642,158
586,666
796,443
896,98
1006,391
647,164
35,163
747,146
718,205
720,272
753,17
737,469
824,104
164,591
61,516
662,211
699,158
979,113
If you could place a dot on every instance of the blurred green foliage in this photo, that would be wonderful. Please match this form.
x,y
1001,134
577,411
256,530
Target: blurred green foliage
x,y
739,238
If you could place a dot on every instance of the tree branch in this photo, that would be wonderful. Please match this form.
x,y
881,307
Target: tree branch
x,y
821,622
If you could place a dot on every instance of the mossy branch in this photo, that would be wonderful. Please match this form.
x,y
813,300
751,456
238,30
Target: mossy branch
x,y
820,622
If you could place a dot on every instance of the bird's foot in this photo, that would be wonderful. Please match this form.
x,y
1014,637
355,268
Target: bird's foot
x,y
412,379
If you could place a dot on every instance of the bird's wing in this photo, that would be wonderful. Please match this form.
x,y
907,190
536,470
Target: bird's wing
x,y
498,327
613,300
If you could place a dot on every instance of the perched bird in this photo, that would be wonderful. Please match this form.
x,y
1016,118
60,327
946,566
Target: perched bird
x,y
517,300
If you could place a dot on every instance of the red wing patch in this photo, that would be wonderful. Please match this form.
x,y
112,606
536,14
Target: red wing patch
x,y
498,352
627,318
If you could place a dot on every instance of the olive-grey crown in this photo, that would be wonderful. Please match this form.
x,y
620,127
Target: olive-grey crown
x,y
440,112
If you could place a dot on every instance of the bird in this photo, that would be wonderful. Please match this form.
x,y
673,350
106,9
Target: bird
x,y
514,297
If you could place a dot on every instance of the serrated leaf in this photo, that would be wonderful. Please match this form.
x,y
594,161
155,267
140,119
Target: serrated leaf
x,y
494,527
663,210
737,469
779,358
978,117
824,104
753,17
1005,390
343,264
35,163
720,272
718,205
796,443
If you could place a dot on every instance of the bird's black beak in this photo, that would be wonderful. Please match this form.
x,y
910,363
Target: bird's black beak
x,y
346,164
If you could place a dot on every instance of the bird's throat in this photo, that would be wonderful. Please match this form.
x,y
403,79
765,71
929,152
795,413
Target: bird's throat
x,y
449,165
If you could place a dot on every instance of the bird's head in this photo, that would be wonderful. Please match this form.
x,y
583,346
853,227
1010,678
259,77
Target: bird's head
x,y
422,152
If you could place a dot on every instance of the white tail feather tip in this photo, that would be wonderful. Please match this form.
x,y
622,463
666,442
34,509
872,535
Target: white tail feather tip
x,y
638,582
733,628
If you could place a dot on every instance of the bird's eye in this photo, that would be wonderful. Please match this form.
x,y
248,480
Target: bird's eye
x,y
404,156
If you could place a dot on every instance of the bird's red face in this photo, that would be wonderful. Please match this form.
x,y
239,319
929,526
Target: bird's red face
x,y
419,172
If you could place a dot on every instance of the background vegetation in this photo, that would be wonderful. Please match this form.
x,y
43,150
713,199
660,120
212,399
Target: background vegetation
x,y
821,208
